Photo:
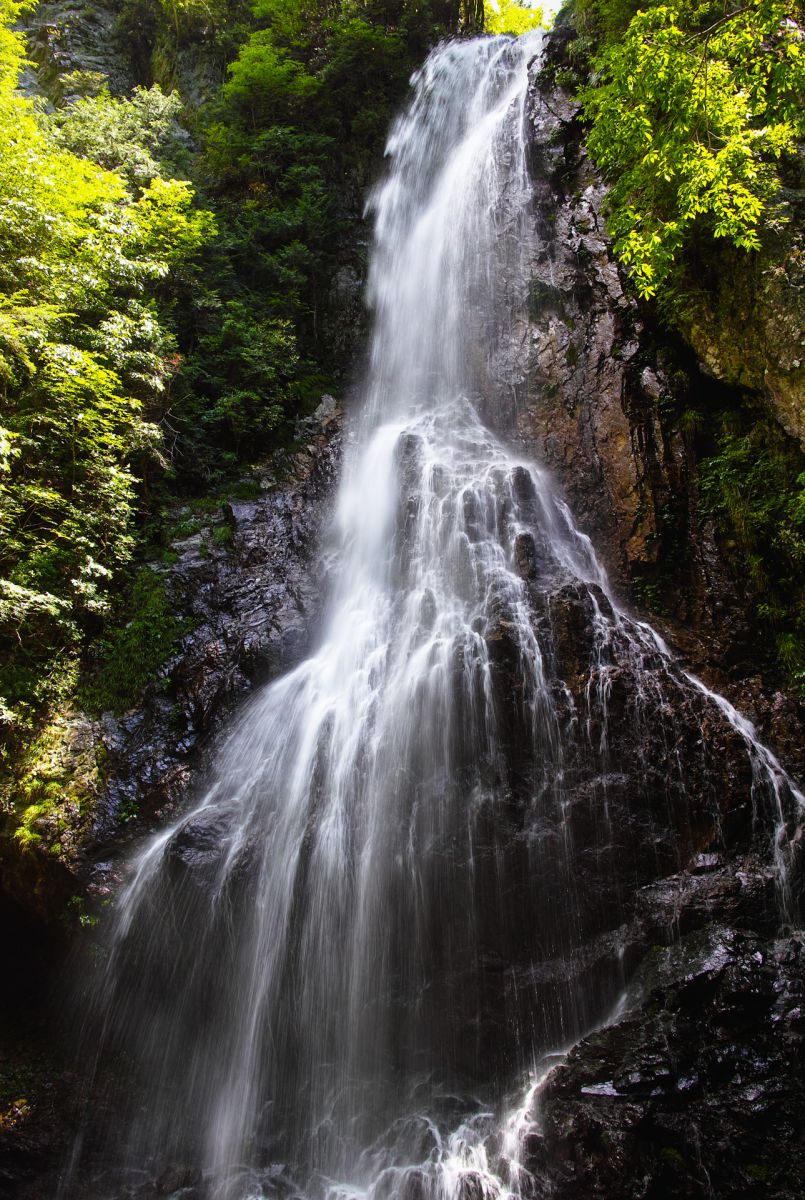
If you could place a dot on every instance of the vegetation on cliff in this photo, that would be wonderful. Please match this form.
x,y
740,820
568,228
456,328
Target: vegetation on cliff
x,y
692,106
93,265
696,120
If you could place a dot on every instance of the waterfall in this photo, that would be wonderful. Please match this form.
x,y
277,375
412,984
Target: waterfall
x,y
407,884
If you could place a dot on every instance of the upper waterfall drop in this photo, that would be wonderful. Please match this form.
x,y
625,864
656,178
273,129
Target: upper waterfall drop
x,y
371,929
451,226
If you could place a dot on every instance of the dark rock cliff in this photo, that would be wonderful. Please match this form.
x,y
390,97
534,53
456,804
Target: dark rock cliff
x,y
251,598
696,1090
601,391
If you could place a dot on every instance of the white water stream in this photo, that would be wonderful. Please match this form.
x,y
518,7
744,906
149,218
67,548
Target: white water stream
x,y
336,971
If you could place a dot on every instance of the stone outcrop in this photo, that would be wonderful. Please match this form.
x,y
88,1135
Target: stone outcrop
x,y
600,393
244,586
747,325
698,1089
694,1090
247,584
68,36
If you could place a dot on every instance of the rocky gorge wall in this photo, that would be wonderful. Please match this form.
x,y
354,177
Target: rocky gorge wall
x,y
601,390
696,1090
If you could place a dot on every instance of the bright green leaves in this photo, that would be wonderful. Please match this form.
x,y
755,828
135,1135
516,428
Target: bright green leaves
x,y
690,111
84,355
133,136
71,489
166,230
265,83
510,16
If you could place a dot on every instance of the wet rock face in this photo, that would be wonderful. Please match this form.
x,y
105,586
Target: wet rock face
x,y
662,828
699,1090
696,1090
249,590
599,392
583,342
589,408
64,36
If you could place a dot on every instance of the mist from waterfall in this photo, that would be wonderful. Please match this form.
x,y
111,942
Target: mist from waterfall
x,y
336,973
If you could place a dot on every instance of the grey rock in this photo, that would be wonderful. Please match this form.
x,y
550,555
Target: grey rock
x,y
253,606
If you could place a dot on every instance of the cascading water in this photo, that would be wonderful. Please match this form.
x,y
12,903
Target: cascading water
x,y
332,975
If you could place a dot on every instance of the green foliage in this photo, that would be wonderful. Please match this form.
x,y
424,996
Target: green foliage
x,y
136,137
510,16
754,487
162,38
85,350
12,48
136,647
289,144
692,105
366,71
240,377
143,340
265,84
223,536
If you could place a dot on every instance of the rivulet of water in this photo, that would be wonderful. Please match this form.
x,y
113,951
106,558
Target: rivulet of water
x,y
403,888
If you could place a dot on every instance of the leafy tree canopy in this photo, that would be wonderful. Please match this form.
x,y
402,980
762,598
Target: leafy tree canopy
x,y
510,16
692,106
84,355
134,136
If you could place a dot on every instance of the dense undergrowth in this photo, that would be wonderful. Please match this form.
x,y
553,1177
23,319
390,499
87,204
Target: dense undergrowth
x,y
92,265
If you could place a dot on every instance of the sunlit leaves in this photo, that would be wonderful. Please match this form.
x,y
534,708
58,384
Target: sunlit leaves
x,y
165,226
510,16
132,136
691,108
265,81
83,349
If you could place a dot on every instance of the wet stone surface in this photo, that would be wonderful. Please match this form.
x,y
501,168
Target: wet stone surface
x,y
696,1092
252,600
599,389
